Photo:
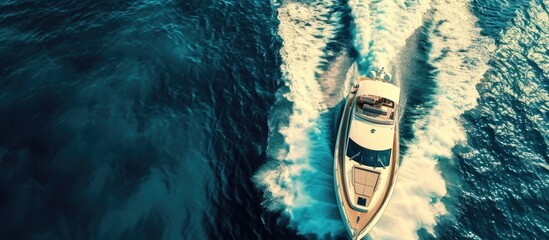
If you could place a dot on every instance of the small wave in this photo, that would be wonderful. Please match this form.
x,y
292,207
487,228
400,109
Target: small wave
x,y
460,55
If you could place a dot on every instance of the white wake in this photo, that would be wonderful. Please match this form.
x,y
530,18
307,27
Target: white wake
x,y
297,177
382,28
460,55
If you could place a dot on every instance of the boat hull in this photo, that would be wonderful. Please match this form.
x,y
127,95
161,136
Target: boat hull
x,y
359,229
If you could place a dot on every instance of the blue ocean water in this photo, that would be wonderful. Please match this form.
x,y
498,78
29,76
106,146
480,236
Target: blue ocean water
x,y
216,119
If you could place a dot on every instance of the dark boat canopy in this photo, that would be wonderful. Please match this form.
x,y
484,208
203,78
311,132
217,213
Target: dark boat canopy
x,y
368,157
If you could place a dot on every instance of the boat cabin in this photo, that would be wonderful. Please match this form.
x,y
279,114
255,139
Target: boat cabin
x,y
380,110
375,101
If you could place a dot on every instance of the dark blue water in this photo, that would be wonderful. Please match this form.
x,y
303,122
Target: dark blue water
x,y
213,119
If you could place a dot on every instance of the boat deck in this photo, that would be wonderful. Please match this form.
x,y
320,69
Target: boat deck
x,y
356,220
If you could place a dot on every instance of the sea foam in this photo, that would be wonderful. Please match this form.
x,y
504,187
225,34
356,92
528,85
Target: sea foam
x,y
460,55
382,28
297,178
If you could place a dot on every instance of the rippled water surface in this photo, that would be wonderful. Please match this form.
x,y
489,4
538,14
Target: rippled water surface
x,y
216,119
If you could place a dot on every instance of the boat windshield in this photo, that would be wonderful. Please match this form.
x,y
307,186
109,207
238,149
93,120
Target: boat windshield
x,y
368,157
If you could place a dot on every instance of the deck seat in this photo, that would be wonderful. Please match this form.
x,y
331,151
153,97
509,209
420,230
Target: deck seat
x,y
370,109
367,100
365,181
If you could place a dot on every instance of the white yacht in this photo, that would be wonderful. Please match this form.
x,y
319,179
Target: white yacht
x,y
366,153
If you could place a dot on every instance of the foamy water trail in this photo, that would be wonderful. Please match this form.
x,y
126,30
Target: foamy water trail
x,y
460,55
382,28
297,178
